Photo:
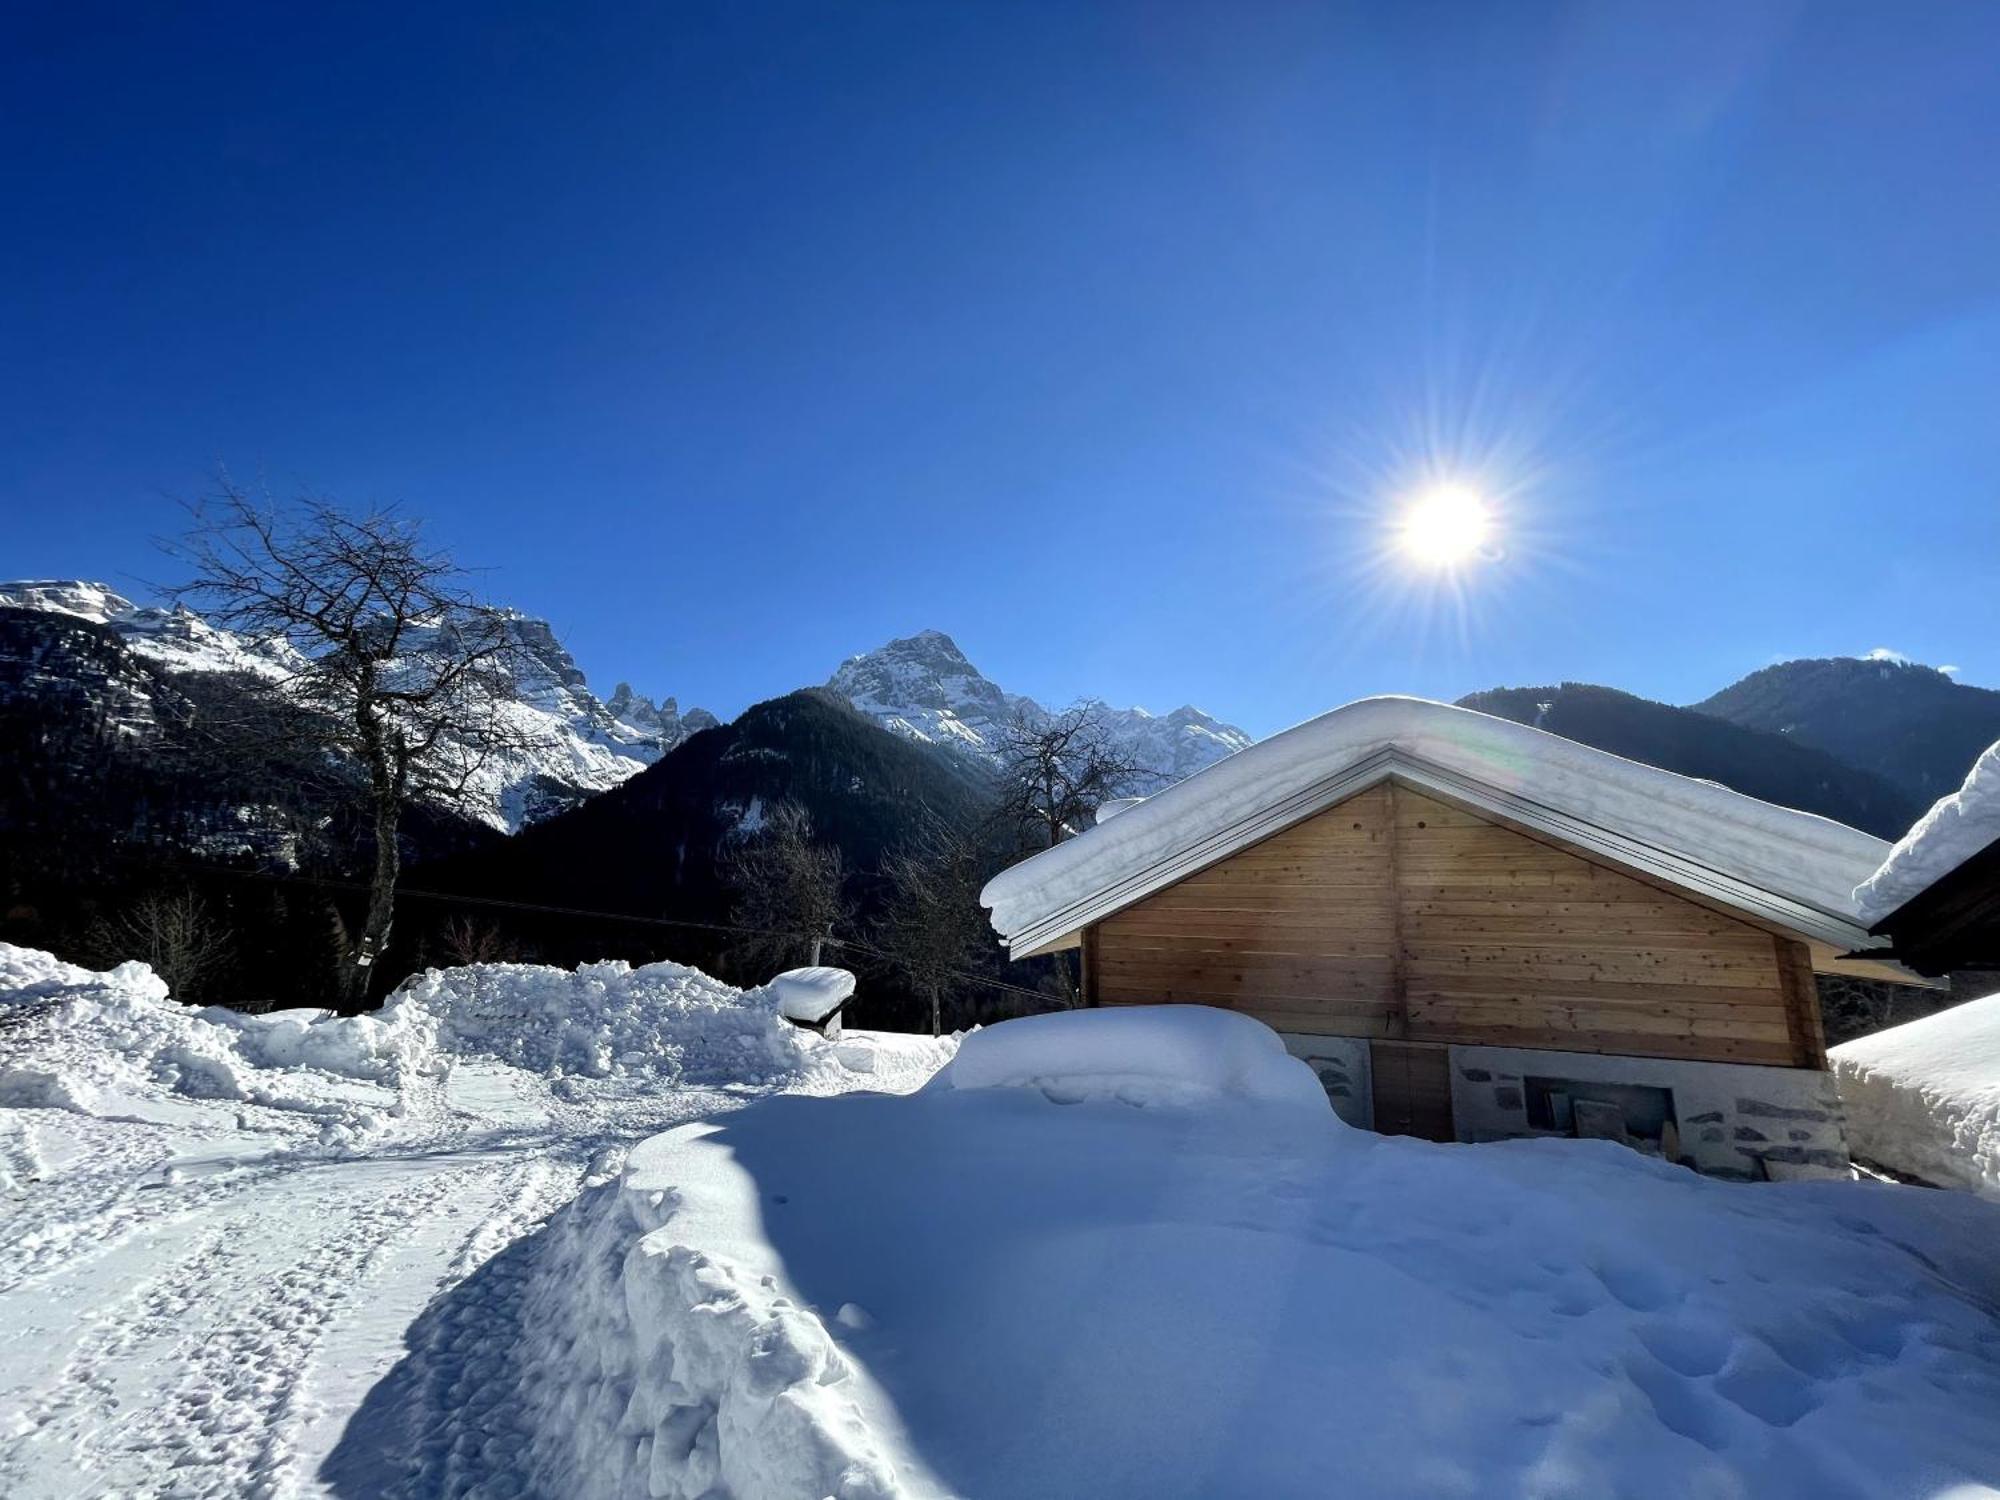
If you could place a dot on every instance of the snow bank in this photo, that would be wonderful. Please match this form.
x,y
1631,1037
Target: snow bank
x,y
1142,1054
602,1020
677,1373
1924,1097
1809,858
116,1044
1956,828
982,1292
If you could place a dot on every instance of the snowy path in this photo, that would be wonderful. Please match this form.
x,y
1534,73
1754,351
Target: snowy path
x,y
200,1306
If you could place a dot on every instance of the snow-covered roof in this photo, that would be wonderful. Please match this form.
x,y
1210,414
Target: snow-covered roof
x,y
1956,828
1794,869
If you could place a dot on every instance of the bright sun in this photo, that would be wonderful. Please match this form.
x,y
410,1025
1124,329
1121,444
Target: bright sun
x,y
1445,526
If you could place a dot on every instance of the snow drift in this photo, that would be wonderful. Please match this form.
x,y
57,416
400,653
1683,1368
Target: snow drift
x,y
1956,828
1924,1098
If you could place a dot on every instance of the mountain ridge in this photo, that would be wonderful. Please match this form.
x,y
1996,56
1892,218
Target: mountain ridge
x,y
577,744
1755,762
924,687
1913,725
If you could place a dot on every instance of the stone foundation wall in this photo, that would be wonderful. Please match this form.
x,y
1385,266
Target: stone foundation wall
x,y
1342,1063
1735,1120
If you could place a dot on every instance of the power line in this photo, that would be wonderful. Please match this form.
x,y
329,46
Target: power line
x,y
599,917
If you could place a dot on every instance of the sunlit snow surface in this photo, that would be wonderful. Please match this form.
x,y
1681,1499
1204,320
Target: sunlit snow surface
x,y
423,1258
236,1245
1924,1098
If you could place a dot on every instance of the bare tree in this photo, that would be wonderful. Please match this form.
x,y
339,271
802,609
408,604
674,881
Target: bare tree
x,y
933,926
171,930
1055,772
380,637
789,893
467,940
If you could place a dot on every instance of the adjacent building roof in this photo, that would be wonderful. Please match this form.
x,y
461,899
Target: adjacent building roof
x,y
1790,869
1937,894
1957,827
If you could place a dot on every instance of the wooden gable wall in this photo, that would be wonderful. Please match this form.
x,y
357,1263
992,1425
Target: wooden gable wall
x,y
1397,915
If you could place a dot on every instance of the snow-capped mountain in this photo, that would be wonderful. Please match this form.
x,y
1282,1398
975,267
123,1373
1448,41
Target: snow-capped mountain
x,y
580,744
924,688
174,640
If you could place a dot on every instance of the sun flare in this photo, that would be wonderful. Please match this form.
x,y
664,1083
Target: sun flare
x,y
1445,527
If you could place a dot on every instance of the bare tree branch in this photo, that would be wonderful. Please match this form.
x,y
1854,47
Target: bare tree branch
x,y
933,927
789,893
1055,772
406,673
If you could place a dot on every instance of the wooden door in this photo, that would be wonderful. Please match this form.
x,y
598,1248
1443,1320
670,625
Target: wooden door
x,y
1412,1089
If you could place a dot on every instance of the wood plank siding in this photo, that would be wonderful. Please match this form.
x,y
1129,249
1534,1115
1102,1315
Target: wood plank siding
x,y
1397,915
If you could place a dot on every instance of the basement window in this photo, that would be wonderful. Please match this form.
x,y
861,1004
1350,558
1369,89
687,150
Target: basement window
x,y
1630,1112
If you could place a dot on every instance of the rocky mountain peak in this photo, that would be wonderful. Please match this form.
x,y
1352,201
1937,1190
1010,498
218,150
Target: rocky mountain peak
x,y
923,686
545,655
67,596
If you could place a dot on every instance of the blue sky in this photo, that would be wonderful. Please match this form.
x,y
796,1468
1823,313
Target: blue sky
x,y
736,339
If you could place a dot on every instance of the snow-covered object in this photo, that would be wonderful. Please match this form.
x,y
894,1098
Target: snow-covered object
x,y
1140,1054
811,996
1957,827
1924,1097
923,687
575,744
1801,856
1148,1303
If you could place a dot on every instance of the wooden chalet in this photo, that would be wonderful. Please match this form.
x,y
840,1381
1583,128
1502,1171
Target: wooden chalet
x,y
1474,929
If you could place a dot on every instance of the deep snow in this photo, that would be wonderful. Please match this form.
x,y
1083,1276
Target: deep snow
x,y
988,1291
242,1250
420,1255
1924,1098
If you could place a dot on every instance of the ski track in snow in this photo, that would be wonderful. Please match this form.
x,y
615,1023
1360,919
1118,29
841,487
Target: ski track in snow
x,y
208,1324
